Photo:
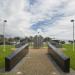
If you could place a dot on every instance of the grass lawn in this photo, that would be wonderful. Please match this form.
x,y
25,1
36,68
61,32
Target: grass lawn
x,y
7,52
69,52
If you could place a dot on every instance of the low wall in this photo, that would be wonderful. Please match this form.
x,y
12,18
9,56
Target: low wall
x,y
14,58
62,61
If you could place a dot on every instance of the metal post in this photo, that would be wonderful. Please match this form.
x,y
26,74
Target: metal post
x,y
73,36
38,40
73,33
4,35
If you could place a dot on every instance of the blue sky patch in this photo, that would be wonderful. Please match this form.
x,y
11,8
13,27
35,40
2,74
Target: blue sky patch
x,y
46,22
32,2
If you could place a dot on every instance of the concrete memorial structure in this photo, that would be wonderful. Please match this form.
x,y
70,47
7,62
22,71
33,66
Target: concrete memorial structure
x,y
38,41
61,60
13,59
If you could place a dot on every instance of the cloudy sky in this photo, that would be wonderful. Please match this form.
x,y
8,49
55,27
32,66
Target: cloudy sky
x,y
27,17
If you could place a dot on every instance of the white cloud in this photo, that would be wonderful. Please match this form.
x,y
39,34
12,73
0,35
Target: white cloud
x,y
69,8
62,29
44,9
21,15
17,16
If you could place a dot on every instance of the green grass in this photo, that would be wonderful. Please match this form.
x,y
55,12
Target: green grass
x,y
7,52
69,52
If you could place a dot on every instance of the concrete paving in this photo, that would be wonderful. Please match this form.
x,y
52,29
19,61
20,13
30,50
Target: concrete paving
x,y
37,62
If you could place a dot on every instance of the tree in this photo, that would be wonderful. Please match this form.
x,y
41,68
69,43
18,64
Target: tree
x,y
31,38
70,41
62,42
17,39
47,39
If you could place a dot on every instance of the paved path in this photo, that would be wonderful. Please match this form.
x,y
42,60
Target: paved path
x,y
37,62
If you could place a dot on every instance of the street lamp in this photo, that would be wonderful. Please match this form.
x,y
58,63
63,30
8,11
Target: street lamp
x,y
4,23
73,32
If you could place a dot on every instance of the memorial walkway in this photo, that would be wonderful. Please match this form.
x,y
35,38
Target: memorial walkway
x,y
37,62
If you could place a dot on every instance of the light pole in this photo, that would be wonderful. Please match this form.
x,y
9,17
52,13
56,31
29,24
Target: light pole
x,y
73,32
4,23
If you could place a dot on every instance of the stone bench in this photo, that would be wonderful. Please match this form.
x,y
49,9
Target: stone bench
x,y
14,58
61,60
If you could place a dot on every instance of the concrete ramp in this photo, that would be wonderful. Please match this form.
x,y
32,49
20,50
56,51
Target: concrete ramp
x,y
37,62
